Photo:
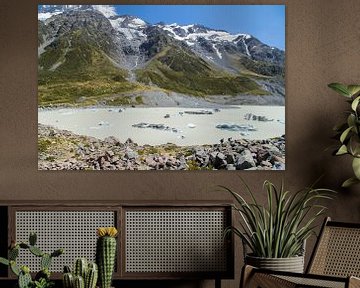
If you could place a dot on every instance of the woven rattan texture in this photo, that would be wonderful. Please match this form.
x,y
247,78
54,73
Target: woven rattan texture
x,y
261,280
338,253
305,282
75,231
175,241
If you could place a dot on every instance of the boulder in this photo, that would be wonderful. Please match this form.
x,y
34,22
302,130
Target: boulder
x,y
230,158
111,140
245,160
220,161
130,154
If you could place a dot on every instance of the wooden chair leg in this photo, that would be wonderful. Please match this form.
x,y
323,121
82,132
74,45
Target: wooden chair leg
x,y
246,274
354,282
251,279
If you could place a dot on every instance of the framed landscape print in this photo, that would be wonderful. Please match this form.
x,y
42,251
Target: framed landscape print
x,y
161,87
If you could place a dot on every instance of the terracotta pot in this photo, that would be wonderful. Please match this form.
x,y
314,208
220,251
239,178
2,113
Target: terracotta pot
x,y
291,264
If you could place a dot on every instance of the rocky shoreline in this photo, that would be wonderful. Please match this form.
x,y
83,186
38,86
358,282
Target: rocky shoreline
x,y
64,150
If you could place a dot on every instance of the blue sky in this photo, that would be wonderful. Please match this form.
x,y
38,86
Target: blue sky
x,y
265,22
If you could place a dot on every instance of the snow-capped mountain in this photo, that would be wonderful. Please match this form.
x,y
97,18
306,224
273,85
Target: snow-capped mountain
x,y
94,37
131,27
219,46
47,11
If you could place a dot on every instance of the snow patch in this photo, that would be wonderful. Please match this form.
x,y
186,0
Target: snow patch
x,y
138,22
246,47
47,15
106,10
173,34
217,51
131,31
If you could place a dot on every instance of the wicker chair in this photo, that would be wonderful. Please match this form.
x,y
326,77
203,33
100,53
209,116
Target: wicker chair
x,y
334,263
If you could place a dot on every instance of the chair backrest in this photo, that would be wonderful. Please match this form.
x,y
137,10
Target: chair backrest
x,y
337,251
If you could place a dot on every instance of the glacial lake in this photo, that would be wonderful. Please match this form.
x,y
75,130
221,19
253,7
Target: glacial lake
x,y
181,127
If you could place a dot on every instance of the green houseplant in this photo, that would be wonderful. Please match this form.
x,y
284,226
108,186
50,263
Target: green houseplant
x,y
275,233
348,132
42,278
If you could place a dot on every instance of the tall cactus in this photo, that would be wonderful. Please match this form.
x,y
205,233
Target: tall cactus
x,y
106,254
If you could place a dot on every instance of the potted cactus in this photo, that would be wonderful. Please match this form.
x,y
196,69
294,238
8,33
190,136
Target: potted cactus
x,y
106,254
84,275
42,278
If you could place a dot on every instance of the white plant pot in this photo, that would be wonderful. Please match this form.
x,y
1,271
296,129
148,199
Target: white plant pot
x,y
291,264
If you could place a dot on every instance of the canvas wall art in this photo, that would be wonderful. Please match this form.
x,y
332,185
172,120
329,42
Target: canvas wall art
x,y
161,87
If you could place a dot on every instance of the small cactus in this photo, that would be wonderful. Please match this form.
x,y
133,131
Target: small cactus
x,y
80,268
68,280
45,261
14,268
23,273
106,254
36,251
57,252
91,276
32,239
67,269
44,273
13,253
89,272
24,246
79,282
24,280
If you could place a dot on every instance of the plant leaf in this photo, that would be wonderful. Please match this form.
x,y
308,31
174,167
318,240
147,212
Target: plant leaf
x,y
4,261
345,134
340,88
342,150
351,120
354,145
349,182
353,89
355,103
356,167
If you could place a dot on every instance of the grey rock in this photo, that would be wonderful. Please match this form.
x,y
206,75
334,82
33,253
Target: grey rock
x,y
130,154
129,141
230,158
220,161
279,166
200,152
111,140
245,160
110,153
115,159
266,163
230,167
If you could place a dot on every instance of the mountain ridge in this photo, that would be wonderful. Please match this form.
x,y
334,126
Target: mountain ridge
x,y
79,44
